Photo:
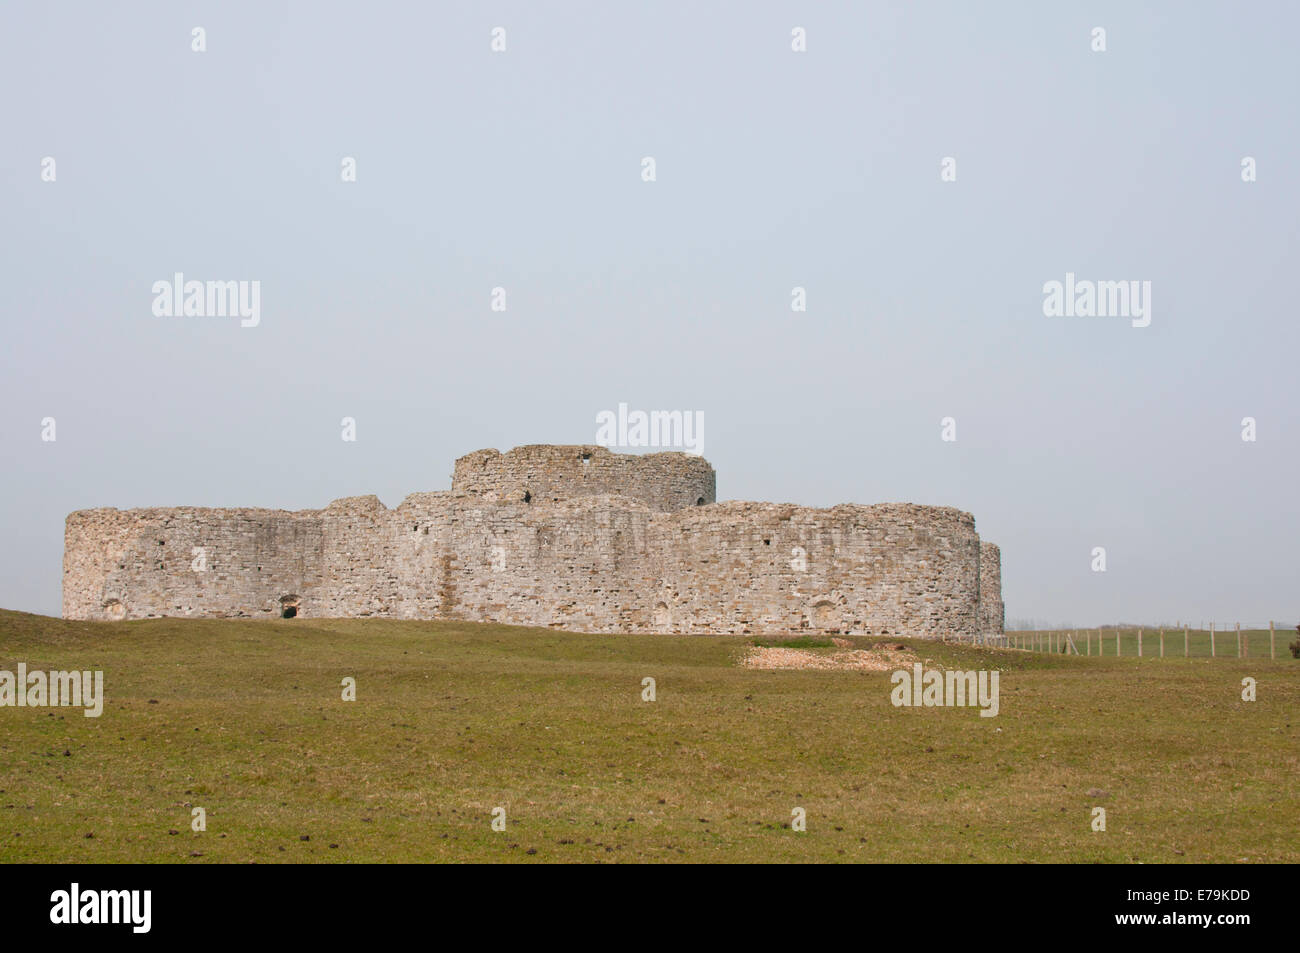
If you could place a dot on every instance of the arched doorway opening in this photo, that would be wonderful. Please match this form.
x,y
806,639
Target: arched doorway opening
x,y
289,606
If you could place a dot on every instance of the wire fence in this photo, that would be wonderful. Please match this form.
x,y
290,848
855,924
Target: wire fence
x,y
1215,640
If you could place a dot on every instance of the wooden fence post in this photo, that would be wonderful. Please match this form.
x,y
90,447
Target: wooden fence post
x,y
1139,641
1118,650
1162,643
1212,653
1186,644
1272,647
1090,641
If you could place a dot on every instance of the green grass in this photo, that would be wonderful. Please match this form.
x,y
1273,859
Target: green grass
x,y
244,718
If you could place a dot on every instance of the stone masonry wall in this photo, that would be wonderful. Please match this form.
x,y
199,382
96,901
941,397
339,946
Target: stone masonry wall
x,y
585,561
188,562
992,611
889,569
544,473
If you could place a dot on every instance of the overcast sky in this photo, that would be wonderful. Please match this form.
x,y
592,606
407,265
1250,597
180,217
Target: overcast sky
x,y
774,169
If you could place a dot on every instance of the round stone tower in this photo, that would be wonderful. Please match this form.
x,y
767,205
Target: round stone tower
x,y
992,612
547,473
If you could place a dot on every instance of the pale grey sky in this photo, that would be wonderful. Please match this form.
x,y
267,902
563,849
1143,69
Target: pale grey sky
x,y
775,169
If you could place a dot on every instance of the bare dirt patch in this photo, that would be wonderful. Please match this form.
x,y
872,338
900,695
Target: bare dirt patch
x,y
884,657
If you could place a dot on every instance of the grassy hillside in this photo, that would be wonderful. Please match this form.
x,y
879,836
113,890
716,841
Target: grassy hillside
x,y
452,720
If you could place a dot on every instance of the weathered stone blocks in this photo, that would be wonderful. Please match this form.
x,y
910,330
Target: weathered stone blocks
x,y
992,612
568,537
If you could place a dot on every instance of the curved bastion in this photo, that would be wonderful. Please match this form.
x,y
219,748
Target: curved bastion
x,y
992,615
549,473
573,537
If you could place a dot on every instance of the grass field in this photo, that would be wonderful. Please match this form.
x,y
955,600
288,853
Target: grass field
x,y
245,719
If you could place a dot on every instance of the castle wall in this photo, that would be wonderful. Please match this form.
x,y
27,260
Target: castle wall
x,y
992,610
576,564
544,473
142,563
585,562
890,569
359,543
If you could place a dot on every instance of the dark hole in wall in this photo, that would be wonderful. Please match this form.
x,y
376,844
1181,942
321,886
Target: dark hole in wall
x,y
289,612
528,497
700,501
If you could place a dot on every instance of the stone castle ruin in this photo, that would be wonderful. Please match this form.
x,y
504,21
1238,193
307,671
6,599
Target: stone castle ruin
x,y
571,537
